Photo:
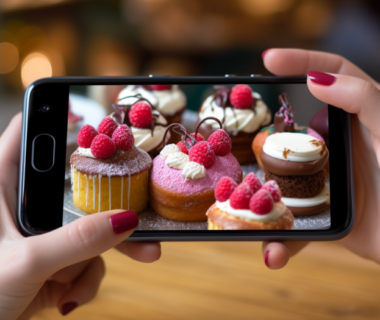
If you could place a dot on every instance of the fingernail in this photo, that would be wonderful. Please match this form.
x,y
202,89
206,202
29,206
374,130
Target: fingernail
x,y
266,258
321,78
124,221
264,53
68,307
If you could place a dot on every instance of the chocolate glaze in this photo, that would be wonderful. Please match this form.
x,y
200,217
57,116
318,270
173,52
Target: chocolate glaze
x,y
283,118
289,168
121,163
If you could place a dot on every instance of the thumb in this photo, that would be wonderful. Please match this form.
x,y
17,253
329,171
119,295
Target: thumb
x,y
80,240
351,94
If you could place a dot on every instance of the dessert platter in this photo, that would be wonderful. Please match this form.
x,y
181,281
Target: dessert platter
x,y
236,171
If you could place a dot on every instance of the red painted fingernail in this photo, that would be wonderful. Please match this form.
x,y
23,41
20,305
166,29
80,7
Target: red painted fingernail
x,y
321,78
266,258
68,307
124,221
264,53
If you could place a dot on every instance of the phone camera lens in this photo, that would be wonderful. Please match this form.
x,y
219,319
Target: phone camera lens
x,y
44,108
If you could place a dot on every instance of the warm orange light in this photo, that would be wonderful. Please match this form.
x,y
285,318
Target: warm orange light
x,y
265,7
35,66
8,57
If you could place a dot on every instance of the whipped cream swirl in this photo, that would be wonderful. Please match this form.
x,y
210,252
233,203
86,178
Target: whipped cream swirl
x,y
193,170
168,149
85,152
177,160
245,120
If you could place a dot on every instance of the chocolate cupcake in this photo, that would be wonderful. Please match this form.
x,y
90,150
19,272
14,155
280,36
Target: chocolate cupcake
x,y
242,112
297,162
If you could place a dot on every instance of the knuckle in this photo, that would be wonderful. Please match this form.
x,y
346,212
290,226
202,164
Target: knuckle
x,y
83,234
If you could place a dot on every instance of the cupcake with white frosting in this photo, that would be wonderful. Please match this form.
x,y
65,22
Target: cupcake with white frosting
x,y
242,112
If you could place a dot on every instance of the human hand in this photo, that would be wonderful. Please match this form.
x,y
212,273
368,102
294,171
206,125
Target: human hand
x,y
61,268
351,89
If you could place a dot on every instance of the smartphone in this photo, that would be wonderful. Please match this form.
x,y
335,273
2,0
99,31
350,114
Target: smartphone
x,y
197,158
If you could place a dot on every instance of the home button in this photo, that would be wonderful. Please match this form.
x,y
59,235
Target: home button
x,y
43,152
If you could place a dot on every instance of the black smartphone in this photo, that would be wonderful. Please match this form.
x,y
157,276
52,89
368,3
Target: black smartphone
x,y
197,158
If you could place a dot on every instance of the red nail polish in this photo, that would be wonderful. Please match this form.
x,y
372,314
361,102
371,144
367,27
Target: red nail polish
x,y
124,221
68,307
321,78
264,53
266,258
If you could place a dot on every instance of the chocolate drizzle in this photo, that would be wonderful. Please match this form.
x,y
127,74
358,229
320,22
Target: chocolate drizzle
x,y
283,118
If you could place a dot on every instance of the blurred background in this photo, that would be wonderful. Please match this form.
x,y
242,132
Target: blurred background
x,y
43,38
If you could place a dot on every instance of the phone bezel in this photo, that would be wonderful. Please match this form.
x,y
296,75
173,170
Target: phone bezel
x,y
53,91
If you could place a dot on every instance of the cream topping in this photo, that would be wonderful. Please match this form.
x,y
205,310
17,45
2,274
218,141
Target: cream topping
x,y
320,198
85,152
193,170
296,147
168,102
177,160
168,149
245,120
278,210
144,138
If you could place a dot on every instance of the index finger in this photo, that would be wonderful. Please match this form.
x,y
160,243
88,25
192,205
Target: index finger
x,y
298,62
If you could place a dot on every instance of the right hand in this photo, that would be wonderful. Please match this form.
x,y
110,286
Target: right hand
x,y
357,93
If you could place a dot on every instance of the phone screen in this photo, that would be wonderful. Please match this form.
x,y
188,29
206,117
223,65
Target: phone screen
x,y
199,157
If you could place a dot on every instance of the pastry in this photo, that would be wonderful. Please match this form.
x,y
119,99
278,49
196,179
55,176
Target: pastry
x,y
297,162
242,112
108,171
248,206
283,122
148,125
168,99
183,176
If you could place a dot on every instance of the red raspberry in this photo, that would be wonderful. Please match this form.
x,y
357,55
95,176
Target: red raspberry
x,y
107,126
123,137
102,146
198,138
141,115
85,136
220,142
202,153
253,181
273,189
240,197
160,87
224,188
261,202
182,147
241,96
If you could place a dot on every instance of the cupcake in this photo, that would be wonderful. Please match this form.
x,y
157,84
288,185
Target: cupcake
x,y
147,125
248,206
168,99
283,122
242,112
108,171
183,176
297,162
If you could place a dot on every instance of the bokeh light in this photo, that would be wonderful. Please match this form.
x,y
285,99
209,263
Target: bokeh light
x,y
35,66
9,57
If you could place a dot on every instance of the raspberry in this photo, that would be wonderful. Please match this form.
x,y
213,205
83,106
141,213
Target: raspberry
x,y
261,202
85,136
202,153
240,197
224,188
102,146
273,189
241,96
160,87
220,142
107,126
198,138
253,181
182,147
123,137
141,115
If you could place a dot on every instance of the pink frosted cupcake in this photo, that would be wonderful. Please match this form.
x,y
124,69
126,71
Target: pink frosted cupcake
x,y
184,175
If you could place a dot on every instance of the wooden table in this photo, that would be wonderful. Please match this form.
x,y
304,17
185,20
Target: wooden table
x,y
230,281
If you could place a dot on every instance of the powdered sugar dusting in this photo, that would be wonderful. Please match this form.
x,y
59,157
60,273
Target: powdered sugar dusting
x,y
173,180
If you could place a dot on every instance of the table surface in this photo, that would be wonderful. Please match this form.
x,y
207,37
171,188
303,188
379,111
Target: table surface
x,y
229,281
